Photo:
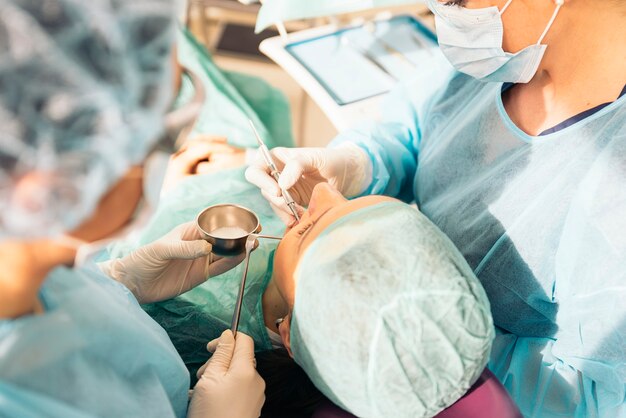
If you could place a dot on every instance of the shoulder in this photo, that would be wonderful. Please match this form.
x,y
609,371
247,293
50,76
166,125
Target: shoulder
x,y
436,85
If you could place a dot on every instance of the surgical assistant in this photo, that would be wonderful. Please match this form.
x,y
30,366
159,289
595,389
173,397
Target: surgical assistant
x,y
519,158
84,89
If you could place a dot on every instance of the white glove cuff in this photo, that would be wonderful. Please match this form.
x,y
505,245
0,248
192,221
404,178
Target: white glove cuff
x,y
359,170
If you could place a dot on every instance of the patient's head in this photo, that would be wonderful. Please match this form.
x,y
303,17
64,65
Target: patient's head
x,y
386,317
327,205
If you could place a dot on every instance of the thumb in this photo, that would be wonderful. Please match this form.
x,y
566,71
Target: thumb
x,y
258,174
185,250
291,174
243,355
220,361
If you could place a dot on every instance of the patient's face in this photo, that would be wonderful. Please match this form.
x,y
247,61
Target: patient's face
x,y
326,206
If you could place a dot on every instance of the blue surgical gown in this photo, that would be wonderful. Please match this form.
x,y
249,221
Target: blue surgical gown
x,y
92,352
541,220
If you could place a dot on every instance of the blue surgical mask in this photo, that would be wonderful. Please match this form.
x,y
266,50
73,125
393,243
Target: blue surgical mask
x,y
471,39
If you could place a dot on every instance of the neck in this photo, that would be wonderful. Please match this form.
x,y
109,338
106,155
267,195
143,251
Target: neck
x,y
586,48
25,266
584,66
274,306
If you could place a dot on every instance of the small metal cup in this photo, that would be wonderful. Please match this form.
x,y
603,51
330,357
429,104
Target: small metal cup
x,y
227,215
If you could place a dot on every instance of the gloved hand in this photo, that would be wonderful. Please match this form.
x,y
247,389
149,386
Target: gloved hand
x,y
170,266
346,167
229,385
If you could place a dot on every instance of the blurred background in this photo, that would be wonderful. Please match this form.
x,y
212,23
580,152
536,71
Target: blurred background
x,y
226,28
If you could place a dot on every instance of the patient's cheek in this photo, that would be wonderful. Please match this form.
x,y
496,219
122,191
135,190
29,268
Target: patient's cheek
x,y
284,266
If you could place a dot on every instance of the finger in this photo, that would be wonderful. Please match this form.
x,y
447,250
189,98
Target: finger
x,y
183,250
258,174
291,174
187,231
283,155
212,345
221,360
202,369
277,201
224,264
243,355
279,207
285,216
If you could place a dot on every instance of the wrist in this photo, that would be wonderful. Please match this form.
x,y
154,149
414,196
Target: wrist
x,y
359,165
115,270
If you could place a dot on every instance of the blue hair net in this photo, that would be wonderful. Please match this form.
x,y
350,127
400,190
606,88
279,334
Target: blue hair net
x,y
83,86
389,320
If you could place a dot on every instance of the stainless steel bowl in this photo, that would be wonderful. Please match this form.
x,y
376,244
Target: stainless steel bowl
x,y
215,217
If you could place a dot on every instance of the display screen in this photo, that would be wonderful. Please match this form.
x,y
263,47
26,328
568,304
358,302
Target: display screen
x,y
364,61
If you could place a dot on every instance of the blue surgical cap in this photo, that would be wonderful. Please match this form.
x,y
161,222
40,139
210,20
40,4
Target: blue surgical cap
x,y
389,320
83,87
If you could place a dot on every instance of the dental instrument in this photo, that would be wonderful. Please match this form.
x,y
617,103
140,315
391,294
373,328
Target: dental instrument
x,y
250,241
274,172
234,324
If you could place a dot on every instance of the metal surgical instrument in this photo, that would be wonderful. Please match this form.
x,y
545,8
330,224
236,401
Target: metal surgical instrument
x,y
274,172
234,323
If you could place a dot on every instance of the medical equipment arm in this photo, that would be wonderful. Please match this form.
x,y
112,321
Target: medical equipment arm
x,y
228,385
168,267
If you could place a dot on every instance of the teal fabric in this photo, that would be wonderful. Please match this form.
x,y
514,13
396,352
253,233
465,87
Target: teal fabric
x,y
93,352
233,98
403,315
539,219
202,314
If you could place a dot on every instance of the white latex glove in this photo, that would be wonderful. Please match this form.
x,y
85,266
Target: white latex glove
x,y
229,385
170,266
346,167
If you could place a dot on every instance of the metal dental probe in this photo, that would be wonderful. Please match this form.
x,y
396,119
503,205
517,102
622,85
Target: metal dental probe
x,y
274,171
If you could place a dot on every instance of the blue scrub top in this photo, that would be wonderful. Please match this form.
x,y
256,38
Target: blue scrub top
x,y
92,352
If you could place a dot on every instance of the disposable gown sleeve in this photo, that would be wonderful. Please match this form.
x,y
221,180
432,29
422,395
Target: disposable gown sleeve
x,y
542,384
581,372
393,143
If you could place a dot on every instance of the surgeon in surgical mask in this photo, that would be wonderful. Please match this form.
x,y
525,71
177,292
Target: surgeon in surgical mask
x,y
84,89
514,147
